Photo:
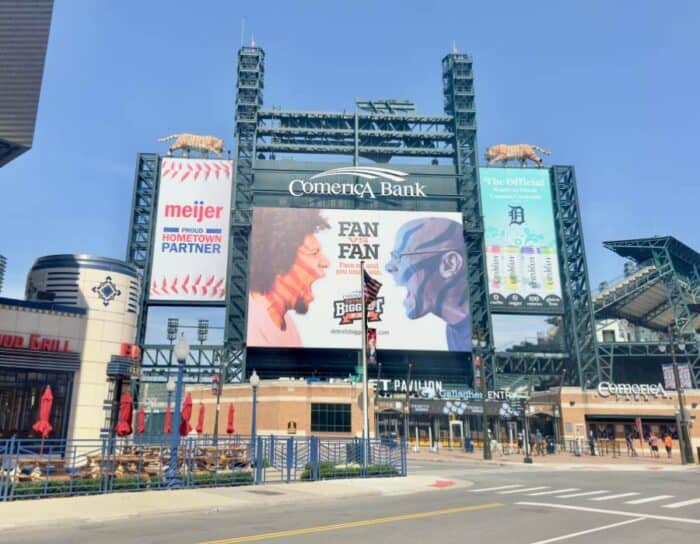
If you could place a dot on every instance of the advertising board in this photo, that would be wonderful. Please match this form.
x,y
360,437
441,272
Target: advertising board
x,y
521,248
304,280
190,249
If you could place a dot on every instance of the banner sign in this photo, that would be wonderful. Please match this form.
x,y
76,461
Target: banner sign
x,y
371,346
304,279
683,376
190,248
520,237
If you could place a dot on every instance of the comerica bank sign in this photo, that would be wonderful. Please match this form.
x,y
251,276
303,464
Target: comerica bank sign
x,y
392,183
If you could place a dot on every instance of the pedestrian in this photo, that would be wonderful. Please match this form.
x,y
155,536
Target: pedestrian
x,y
591,441
668,442
520,442
630,445
654,445
539,439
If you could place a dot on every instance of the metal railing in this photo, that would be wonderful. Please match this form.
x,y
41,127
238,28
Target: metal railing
x,y
31,468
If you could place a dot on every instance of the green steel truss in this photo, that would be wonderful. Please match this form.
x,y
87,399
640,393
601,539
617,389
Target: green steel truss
x,y
249,99
142,227
579,322
677,267
379,136
458,90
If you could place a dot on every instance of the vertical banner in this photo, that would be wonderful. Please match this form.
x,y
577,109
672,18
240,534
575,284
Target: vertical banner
x,y
521,247
371,346
683,376
476,365
190,250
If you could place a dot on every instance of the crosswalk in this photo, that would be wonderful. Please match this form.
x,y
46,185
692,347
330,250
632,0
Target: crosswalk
x,y
593,495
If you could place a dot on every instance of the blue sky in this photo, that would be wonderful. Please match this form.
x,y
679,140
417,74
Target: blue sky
x,y
610,87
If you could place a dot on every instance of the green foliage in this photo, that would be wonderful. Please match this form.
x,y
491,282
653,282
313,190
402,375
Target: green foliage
x,y
329,471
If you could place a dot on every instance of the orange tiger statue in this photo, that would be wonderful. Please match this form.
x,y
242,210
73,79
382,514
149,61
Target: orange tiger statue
x,y
519,152
194,142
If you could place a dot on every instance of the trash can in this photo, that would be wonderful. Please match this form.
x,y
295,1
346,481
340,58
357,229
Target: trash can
x,y
551,448
468,445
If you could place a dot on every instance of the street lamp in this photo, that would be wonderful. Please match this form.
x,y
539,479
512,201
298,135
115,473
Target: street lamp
x,y
686,449
182,350
254,383
526,434
479,344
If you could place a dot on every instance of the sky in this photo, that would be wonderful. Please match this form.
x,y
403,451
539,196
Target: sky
x,y
609,87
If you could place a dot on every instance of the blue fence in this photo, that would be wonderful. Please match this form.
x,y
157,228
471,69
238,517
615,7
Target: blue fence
x,y
51,468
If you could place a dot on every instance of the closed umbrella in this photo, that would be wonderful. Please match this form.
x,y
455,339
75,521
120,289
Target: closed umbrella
x,y
123,427
200,419
141,421
42,426
168,427
229,424
185,426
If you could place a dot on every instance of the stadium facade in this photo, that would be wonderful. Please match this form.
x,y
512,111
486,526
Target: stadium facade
x,y
276,237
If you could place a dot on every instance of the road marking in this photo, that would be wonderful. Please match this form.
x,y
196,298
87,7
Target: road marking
x,y
681,504
588,531
523,490
649,499
611,512
611,497
553,492
585,494
496,488
351,524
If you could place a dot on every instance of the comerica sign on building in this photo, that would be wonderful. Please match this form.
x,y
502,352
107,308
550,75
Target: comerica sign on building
x,y
389,187
627,390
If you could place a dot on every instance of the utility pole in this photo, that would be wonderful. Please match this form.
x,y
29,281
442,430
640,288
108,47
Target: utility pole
x,y
479,343
407,403
684,443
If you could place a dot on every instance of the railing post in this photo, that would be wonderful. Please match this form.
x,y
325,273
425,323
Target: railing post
x,y
272,450
404,458
314,458
258,464
290,457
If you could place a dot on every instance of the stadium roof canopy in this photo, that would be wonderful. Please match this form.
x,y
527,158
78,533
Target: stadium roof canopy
x,y
668,273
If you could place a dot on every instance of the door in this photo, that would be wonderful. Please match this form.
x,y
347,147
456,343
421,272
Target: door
x,y
456,434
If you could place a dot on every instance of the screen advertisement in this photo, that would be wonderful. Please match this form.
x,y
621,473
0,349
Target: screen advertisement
x,y
520,238
190,248
304,280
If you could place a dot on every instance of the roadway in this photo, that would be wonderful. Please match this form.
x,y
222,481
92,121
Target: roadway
x,y
514,505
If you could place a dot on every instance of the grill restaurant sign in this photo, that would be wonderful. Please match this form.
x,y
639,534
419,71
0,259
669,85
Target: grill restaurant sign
x,y
628,391
390,183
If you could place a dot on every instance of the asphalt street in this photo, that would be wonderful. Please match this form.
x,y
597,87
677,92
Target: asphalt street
x,y
528,505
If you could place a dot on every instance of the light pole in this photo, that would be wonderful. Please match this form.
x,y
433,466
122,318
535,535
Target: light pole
x,y
254,383
479,344
686,449
526,431
219,387
182,350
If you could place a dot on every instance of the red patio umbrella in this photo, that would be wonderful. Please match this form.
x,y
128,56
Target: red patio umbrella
x,y
186,414
200,419
42,426
168,427
229,424
123,427
141,421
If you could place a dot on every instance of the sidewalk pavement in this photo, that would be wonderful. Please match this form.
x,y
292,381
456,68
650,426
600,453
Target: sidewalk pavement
x,y
114,506
558,461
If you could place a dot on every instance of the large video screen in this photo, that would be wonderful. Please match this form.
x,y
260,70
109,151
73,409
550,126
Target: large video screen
x,y
304,282
521,248
190,249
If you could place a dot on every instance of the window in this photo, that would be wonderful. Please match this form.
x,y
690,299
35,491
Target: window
x,y
608,336
330,418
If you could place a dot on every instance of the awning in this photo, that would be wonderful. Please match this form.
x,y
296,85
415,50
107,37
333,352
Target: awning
x,y
26,359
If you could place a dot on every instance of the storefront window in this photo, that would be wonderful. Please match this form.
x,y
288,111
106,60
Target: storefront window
x,y
20,395
330,418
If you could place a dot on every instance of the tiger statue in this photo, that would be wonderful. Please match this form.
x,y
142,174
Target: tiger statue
x,y
519,152
194,142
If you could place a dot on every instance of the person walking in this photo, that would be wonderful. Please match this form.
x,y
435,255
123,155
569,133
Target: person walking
x,y
539,439
591,441
520,442
668,442
629,441
654,445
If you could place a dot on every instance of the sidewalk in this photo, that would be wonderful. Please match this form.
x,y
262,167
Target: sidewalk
x,y
115,506
558,461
